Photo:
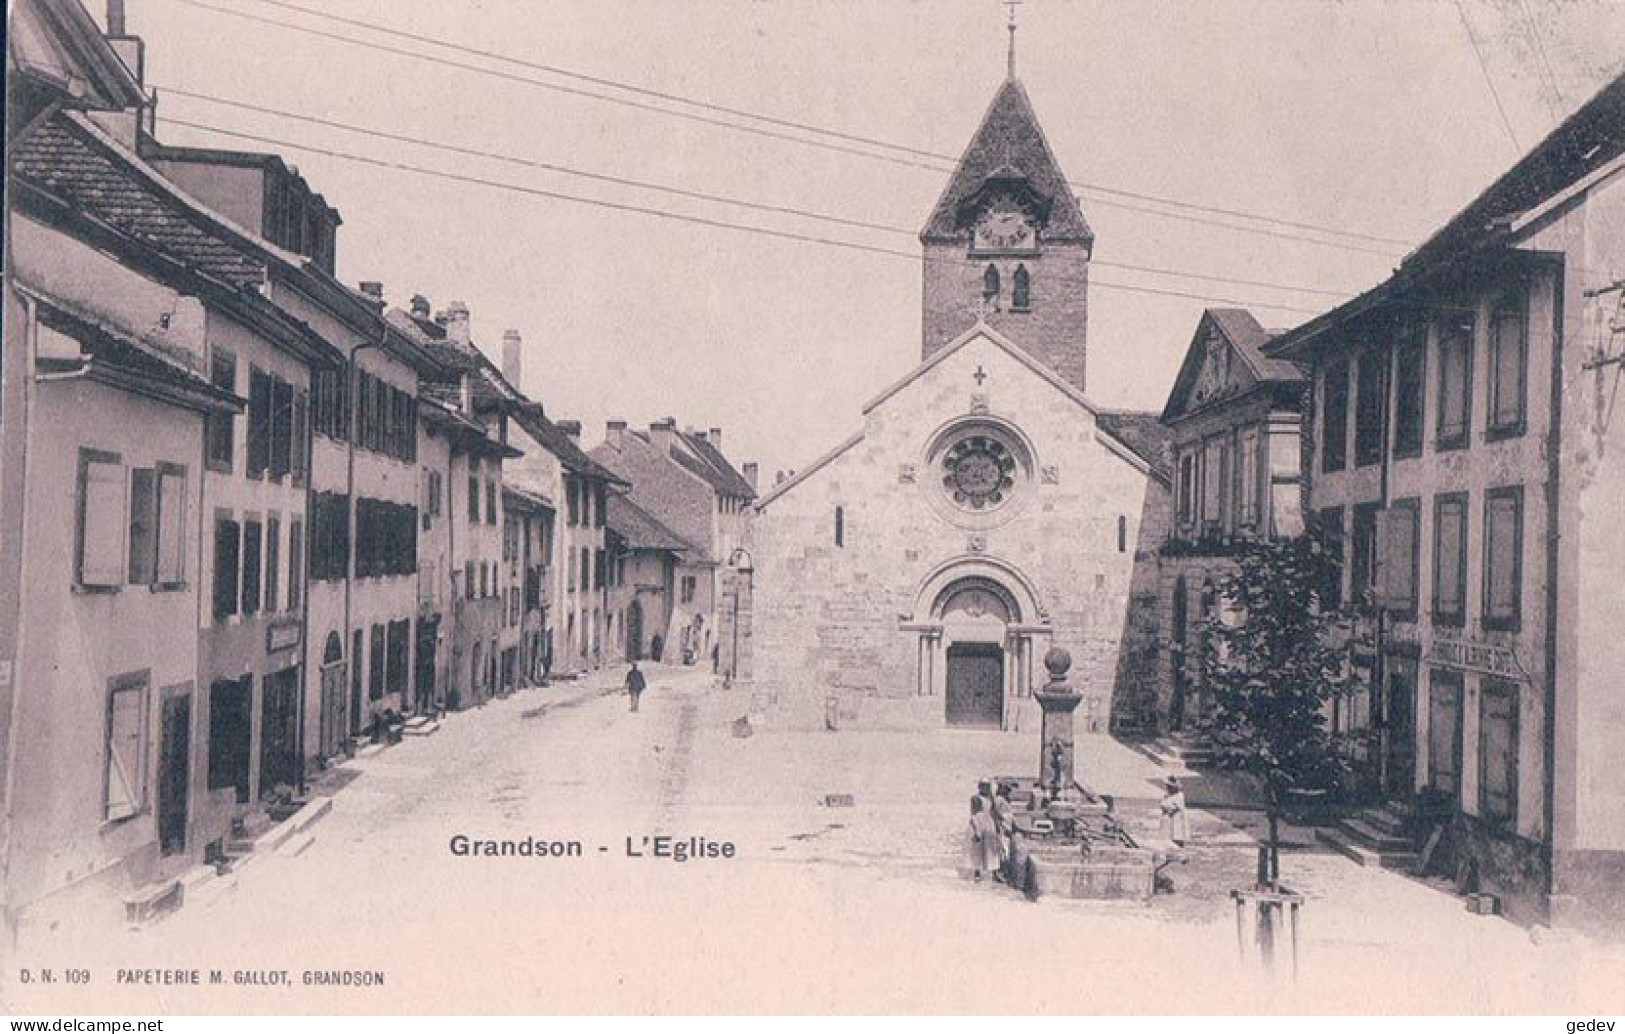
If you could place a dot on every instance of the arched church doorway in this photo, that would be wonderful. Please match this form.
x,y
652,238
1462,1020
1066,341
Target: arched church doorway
x,y
634,632
976,614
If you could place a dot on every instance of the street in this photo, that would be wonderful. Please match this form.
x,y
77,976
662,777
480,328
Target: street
x,y
823,908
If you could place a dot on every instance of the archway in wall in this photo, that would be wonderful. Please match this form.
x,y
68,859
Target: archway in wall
x,y
978,626
330,732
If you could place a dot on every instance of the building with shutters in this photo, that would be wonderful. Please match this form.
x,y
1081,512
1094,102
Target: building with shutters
x,y
1463,447
117,285
1233,415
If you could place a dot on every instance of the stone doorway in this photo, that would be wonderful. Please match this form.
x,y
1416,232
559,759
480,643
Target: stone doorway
x,y
975,689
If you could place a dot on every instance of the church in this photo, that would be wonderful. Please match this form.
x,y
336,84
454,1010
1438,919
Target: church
x,y
986,509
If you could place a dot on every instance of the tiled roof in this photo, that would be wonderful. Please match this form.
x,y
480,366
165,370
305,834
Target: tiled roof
x,y
1586,141
520,499
1009,144
1249,338
640,529
1143,434
66,160
110,350
713,467
547,434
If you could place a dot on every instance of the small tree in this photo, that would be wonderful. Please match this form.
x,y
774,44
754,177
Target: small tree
x,y
1272,662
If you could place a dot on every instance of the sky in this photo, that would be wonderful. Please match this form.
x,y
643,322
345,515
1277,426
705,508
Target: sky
x,y
1378,120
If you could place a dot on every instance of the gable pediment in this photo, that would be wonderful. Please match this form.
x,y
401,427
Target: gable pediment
x,y
1214,370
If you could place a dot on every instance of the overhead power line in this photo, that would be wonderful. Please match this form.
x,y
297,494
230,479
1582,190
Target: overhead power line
x,y
909,158
684,192
805,127
670,215
1483,66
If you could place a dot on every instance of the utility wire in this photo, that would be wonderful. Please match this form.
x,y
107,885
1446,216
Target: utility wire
x,y
1484,67
930,166
674,216
789,124
685,193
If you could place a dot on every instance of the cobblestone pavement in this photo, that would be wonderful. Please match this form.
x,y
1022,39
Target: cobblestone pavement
x,y
824,908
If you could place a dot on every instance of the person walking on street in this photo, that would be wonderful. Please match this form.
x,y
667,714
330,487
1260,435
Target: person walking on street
x,y
635,684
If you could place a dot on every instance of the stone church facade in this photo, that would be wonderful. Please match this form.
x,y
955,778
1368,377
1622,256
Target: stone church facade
x,y
987,509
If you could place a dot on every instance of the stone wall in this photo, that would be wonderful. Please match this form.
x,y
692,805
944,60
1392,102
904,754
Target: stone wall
x,y
829,614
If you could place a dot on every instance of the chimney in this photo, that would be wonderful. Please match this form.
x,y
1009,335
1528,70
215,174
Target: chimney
x,y
663,434
613,431
512,358
420,306
715,437
751,473
115,18
455,319
372,289
571,428
778,477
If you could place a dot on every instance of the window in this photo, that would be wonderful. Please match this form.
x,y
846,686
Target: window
x,y
171,560
1334,415
296,564
1401,547
1248,484
1450,559
689,586
1331,532
1455,380
376,664
1187,487
281,427
1498,752
469,583
1214,471
143,526
1363,552
273,564
327,403
600,507
396,657
251,566
386,538
485,580
840,527
586,568
1370,406
1503,557
474,492
125,785
990,284
329,536
1410,379
1021,290
1509,347
572,507
222,424
1444,730
227,549
259,421
99,521
598,569
157,526
1122,534
491,499
301,436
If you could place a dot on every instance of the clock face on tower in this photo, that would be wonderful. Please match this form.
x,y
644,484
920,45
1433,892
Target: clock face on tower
x,y
1005,229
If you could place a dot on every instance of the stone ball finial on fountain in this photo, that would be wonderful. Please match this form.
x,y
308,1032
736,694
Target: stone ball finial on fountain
x,y
1058,661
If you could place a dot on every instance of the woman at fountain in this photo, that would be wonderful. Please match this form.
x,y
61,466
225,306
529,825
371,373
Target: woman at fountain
x,y
982,843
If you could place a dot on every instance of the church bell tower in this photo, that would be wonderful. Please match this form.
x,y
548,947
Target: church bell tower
x,y
1007,242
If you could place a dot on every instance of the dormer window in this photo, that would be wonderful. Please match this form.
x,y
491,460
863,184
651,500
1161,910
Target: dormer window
x,y
1021,291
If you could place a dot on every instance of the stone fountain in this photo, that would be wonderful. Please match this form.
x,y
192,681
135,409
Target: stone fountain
x,y
1077,847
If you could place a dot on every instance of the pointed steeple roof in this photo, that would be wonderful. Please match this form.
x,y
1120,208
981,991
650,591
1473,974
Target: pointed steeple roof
x,y
1009,148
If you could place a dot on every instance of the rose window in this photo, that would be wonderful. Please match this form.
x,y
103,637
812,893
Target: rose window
x,y
978,472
